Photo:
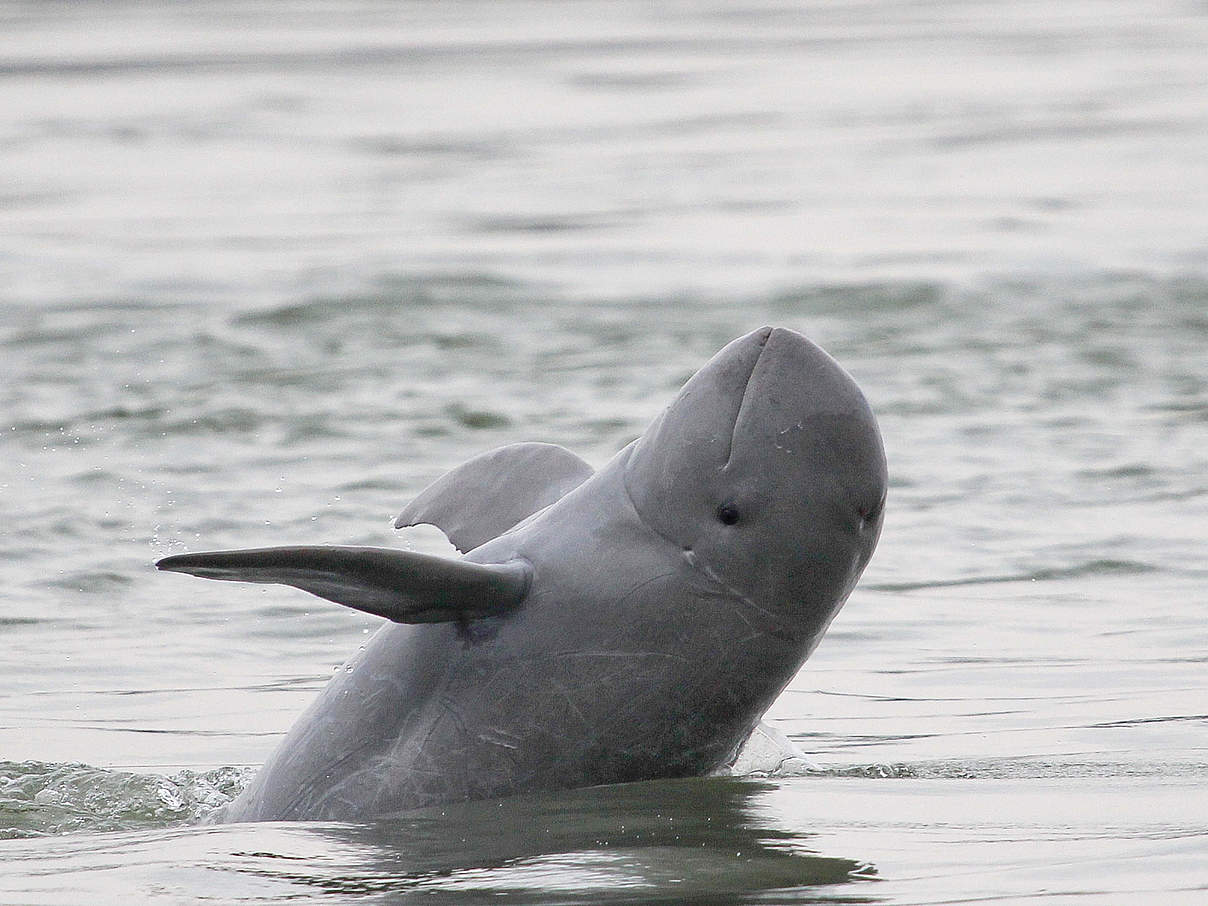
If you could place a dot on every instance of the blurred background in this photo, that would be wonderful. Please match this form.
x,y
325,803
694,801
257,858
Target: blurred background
x,y
266,269
262,151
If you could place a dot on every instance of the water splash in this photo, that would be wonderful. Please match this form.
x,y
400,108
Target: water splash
x,y
40,799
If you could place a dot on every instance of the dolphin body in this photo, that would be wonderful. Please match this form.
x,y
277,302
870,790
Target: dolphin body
x,y
627,624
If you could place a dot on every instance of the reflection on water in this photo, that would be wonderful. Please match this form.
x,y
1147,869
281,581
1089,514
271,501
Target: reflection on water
x,y
682,841
698,841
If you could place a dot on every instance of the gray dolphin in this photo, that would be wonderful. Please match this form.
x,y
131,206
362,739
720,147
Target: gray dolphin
x,y
627,624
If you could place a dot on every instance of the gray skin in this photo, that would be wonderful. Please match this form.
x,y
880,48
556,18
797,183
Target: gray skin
x,y
641,620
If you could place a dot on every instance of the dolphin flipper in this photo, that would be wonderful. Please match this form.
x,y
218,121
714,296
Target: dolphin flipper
x,y
402,586
487,495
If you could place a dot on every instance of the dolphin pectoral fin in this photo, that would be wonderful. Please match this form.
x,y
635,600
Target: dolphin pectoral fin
x,y
402,586
487,495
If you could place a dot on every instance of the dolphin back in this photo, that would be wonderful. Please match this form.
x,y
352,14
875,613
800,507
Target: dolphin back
x,y
489,494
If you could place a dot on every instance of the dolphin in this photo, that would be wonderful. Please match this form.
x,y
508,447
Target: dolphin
x,y
631,623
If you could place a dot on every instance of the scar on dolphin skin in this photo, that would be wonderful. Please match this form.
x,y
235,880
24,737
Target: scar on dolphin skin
x,y
664,600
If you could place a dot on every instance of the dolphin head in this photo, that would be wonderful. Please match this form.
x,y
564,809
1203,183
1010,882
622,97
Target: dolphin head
x,y
768,471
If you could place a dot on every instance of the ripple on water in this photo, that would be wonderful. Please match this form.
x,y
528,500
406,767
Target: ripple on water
x,y
92,581
1103,567
1019,768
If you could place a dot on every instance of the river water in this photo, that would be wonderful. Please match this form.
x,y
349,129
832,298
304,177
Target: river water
x,y
268,269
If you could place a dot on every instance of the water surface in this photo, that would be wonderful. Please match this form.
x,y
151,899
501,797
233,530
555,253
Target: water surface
x,y
267,271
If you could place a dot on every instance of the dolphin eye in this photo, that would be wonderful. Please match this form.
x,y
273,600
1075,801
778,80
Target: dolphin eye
x,y
727,513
